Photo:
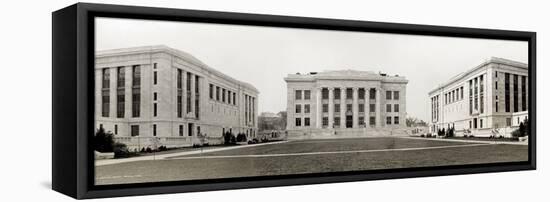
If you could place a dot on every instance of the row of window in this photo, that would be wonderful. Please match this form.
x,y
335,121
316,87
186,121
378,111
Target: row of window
x,y
361,92
454,95
222,95
306,94
190,81
515,88
349,120
435,108
120,98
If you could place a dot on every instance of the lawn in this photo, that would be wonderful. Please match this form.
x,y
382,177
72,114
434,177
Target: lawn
x,y
351,154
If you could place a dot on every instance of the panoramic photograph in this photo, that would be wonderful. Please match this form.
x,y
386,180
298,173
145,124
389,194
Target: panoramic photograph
x,y
178,101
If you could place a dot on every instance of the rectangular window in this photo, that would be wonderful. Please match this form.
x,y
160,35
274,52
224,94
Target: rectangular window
x,y
396,95
155,96
396,108
388,107
324,93
120,77
325,108
396,120
154,129
134,130
307,94
223,95
217,93
388,120
462,92
337,93
155,78
136,75
361,93
306,121
388,95
507,92
372,107
136,102
106,77
361,120
523,94
298,109
481,95
325,121
336,107
349,93
516,93
348,108
361,107
181,130
116,129
372,94
228,97
188,92
211,91
180,79
298,121
197,96
496,106
120,103
234,95
298,94
105,103
480,123
508,122
154,109
336,121
307,108
372,121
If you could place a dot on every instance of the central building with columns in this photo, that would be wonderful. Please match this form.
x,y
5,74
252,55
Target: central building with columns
x,y
345,103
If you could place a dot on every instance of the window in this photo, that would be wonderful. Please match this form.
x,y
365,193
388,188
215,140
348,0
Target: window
x,y
105,103
154,129
306,108
307,94
496,106
372,94
325,121
223,95
361,120
516,93
396,95
508,122
211,91
349,93
480,123
298,109
298,94
372,121
336,107
372,107
116,129
388,95
337,93
106,77
136,75
462,92
181,130
481,94
388,108
180,79
188,92
361,107
120,77
348,108
362,94
523,94
155,96
396,108
155,78
134,130
336,121
388,120
120,102
396,120
507,92
298,121
306,121
324,93
154,109
325,107
234,95
136,102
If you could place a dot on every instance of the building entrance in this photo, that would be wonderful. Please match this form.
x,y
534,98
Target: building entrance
x,y
349,121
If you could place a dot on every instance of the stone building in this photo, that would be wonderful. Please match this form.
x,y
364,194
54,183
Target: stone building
x,y
345,102
155,95
487,100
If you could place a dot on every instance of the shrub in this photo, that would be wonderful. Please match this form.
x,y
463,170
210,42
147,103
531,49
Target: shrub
x,y
229,138
162,148
241,137
103,141
148,150
422,135
121,150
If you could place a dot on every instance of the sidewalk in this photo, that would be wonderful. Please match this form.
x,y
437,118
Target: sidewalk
x,y
182,153
470,141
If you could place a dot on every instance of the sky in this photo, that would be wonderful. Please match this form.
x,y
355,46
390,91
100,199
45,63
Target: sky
x,y
263,56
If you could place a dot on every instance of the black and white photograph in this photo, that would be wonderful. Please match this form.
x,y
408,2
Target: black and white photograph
x,y
181,101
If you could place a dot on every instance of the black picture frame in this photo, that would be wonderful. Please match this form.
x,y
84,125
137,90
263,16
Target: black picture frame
x,y
73,109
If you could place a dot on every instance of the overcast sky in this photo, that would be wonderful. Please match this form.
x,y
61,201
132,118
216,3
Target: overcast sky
x,y
263,56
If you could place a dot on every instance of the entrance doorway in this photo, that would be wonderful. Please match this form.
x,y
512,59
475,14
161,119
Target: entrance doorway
x,y
475,122
349,121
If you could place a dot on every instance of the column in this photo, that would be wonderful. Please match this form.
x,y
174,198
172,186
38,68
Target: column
x,y
377,108
342,107
319,107
331,107
355,107
367,108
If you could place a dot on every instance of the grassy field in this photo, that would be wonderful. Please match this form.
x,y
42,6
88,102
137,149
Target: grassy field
x,y
311,156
